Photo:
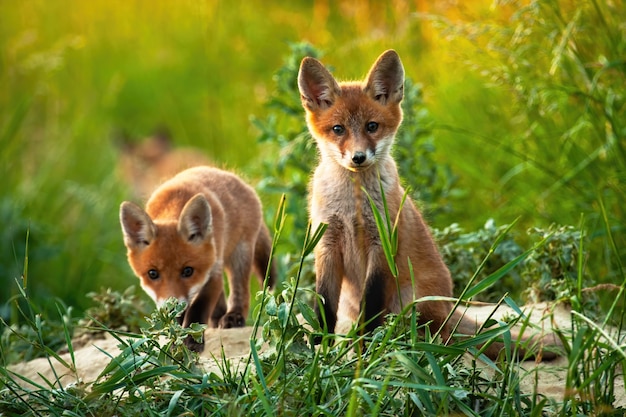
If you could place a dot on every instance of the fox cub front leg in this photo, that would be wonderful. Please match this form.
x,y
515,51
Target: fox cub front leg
x,y
239,268
374,298
370,299
329,277
207,302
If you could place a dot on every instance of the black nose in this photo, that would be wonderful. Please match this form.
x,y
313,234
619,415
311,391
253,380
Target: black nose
x,y
358,158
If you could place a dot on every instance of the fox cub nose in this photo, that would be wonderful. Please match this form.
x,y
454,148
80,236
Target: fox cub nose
x,y
358,158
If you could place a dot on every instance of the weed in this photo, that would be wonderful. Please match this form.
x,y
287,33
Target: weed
x,y
123,311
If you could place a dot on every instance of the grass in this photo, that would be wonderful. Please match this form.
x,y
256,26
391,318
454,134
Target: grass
x,y
399,369
559,130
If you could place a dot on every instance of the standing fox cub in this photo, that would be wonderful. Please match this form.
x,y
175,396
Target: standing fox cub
x,y
197,224
354,125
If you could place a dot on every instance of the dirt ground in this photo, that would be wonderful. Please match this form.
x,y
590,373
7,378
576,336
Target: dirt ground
x,y
549,376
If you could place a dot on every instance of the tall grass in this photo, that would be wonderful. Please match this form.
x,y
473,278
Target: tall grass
x,y
551,75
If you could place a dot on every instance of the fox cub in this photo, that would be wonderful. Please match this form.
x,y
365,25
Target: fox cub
x,y
196,225
354,125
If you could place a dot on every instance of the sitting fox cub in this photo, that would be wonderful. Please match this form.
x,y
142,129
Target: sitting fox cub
x,y
354,125
195,225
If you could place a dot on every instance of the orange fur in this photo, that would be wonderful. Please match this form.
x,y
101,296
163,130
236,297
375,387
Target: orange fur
x,y
196,225
354,125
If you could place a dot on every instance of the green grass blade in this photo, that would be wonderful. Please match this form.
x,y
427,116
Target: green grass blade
x,y
173,402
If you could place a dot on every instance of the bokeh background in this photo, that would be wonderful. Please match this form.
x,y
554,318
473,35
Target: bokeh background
x,y
522,103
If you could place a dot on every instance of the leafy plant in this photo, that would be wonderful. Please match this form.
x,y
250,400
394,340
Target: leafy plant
x,y
552,272
123,311
284,130
464,251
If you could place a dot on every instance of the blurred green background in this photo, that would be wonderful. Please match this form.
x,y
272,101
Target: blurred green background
x,y
523,101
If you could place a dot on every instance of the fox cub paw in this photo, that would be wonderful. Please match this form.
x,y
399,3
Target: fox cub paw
x,y
230,320
193,345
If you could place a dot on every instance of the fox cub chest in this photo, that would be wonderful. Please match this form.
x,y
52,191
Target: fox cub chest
x,y
345,207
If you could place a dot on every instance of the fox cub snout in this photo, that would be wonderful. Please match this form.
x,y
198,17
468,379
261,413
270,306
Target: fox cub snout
x,y
198,224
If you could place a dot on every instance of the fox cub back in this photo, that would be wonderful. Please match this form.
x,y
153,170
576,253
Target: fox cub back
x,y
354,125
198,224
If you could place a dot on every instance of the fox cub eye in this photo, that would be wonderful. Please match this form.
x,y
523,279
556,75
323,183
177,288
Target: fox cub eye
x,y
338,129
371,127
153,274
186,272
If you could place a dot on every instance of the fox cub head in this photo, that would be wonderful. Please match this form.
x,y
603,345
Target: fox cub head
x,y
354,123
171,257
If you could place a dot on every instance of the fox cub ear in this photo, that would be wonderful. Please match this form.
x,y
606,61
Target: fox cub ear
x,y
195,221
138,228
318,88
385,81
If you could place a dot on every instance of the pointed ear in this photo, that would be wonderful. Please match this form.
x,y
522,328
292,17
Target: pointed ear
x,y
138,229
195,223
385,81
318,88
